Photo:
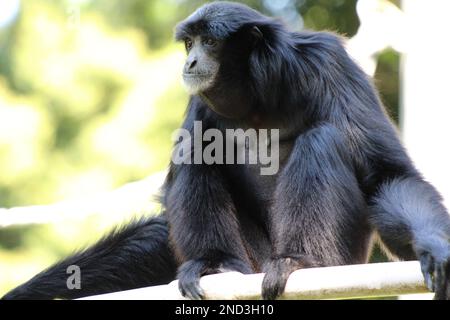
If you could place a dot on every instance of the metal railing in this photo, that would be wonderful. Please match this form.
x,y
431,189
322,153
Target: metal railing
x,y
343,282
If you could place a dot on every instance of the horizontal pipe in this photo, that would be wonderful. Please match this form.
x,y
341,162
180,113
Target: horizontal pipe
x,y
130,200
343,282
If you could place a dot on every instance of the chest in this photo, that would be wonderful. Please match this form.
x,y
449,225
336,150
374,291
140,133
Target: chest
x,y
258,168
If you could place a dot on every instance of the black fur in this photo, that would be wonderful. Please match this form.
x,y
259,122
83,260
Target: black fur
x,y
344,176
141,248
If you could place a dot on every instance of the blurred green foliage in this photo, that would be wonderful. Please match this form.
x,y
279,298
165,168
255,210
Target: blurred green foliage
x,y
89,97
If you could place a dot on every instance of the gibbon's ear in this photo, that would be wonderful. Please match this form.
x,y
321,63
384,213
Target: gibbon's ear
x,y
256,34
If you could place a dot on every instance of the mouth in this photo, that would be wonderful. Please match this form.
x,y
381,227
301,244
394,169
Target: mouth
x,y
196,75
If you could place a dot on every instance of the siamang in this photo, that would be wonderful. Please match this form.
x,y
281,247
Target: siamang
x,y
344,175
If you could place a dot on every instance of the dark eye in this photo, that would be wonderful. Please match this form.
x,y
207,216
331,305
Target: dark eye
x,y
210,42
188,43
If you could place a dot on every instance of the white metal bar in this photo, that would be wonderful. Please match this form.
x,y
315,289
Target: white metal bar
x,y
132,199
343,282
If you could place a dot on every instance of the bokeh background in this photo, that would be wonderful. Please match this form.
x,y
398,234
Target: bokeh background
x,y
90,93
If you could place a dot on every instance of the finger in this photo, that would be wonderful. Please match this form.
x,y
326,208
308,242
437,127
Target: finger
x,y
189,293
273,285
278,271
182,291
199,293
269,288
426,264
194,294
195,291
429,281
440,281
191,290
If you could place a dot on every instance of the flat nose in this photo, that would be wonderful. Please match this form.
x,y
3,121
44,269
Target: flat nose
x,y
190,64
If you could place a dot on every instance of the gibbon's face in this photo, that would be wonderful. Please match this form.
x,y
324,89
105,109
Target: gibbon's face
x,y
202,65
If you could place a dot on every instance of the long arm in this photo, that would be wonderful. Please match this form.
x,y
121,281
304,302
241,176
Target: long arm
x,y
203,223
319,210
406,210
413,223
